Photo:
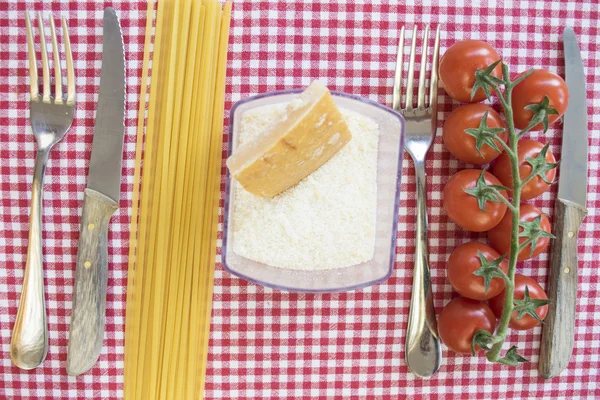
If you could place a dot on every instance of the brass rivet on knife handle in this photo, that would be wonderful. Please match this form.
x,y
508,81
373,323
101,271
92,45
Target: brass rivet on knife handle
x,y
559,326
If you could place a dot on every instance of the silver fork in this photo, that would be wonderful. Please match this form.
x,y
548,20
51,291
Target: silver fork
x,y
422,348
51,117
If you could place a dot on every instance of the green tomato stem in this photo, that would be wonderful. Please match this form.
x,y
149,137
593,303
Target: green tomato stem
x,y
506,279
530,177
504,200
525,244
507,148
505,99
524,131
522,77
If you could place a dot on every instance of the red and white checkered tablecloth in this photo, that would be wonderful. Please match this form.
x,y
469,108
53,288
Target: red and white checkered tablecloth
x,y
265,343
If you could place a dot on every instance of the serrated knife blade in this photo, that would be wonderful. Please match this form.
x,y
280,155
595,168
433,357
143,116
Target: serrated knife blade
x,y
572,182
558,330
101,200
104,175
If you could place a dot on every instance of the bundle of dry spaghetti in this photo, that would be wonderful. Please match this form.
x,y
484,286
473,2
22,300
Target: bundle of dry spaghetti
x,y
174,219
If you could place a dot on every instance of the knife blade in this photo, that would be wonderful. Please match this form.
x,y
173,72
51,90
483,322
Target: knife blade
x,y
558,332
101,200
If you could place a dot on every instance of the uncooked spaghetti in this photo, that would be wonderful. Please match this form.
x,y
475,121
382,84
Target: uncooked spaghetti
x,y
174,226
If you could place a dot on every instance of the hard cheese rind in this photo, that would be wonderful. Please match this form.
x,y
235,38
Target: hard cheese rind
x,y
310,133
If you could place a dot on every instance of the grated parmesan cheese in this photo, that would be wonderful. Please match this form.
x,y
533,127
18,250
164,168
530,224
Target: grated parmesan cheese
x,y
327,220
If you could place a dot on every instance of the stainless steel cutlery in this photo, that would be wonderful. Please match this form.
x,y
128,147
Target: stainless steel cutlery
x,y
101,200
51,116
558,330
423,350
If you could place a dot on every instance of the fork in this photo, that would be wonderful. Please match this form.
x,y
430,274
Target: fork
x,y
51,117
422,348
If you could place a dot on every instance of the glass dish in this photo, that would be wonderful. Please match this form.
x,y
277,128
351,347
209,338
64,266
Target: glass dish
x,y
389,175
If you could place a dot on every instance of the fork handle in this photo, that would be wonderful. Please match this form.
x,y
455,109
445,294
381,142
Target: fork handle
x,y
29,343
423,350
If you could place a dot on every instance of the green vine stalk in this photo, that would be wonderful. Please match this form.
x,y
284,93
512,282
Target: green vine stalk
x,y
503,88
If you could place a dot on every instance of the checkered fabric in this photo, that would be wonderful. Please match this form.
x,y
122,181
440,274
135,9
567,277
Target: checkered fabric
x,y
265,343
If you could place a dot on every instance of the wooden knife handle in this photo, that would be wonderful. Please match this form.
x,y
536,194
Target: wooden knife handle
x,y
558,330
91,277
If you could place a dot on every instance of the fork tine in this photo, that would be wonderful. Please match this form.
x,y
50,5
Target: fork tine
x,y
421,95
70,71
433,82
411,72
33,72
45,67
397,94
57,69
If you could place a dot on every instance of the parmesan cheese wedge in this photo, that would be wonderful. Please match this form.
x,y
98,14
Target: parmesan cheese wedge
x,y
311,131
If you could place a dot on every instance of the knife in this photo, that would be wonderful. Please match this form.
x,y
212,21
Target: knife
x,y
101,200
558,330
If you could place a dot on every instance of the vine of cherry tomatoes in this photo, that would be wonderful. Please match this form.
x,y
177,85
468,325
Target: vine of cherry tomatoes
x,y
475,134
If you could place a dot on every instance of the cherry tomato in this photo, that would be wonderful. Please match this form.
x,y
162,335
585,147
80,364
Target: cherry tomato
x,y
462,145
535,292
465,260
499,236
536,186
458,65
461,319
463,208
532,91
